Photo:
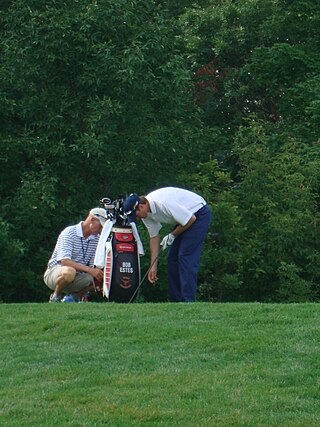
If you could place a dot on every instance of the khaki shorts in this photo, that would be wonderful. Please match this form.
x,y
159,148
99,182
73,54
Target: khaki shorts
x,y
81,281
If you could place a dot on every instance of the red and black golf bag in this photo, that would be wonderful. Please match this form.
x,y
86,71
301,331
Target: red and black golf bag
x,y
122,263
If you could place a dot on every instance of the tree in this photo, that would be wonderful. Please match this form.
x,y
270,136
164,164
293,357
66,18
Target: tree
x,y
278,205
100,98
84,88
261,90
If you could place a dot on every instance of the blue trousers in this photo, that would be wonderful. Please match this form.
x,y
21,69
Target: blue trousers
x,y
184,259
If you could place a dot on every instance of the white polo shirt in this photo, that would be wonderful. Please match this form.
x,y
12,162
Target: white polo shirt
x,y
171,205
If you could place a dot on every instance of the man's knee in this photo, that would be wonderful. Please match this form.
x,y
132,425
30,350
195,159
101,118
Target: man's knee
x,y
67,275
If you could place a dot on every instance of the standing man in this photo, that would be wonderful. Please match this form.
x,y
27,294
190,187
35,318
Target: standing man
x,y
70,268
190,216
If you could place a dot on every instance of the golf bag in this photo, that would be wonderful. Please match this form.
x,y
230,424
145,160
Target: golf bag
x,y
122,262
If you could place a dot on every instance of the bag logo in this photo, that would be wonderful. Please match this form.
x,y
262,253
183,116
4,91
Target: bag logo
x,y
125,282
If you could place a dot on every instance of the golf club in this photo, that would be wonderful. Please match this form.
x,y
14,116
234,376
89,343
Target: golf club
x,y
142,280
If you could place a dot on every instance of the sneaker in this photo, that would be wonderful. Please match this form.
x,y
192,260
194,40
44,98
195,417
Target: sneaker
x,y
69,298
54,298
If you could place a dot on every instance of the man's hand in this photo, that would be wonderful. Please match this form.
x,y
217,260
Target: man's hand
x,y
97,274
152,275
167,241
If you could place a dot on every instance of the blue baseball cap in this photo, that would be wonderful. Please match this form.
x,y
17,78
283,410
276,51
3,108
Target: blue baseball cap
x,y
130,205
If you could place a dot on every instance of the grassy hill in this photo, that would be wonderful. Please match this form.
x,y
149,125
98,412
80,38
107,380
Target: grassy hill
x,y
196,364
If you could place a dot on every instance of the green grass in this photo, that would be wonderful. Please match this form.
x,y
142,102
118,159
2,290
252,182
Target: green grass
x,y
160,365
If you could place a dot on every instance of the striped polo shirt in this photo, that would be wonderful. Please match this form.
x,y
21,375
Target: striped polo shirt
x,y
72,245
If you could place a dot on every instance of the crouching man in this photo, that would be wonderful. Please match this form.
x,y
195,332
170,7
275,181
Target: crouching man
x,y
70,268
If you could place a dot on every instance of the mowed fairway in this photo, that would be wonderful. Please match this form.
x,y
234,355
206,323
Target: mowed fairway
x,y
196,364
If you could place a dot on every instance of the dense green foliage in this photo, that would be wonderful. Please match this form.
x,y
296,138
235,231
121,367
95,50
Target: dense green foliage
x,y
100,98
164,364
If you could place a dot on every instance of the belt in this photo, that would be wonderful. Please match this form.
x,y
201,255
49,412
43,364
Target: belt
x,y
202,205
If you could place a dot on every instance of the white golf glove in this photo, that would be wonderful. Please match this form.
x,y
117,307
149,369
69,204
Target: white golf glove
x,y
167,241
